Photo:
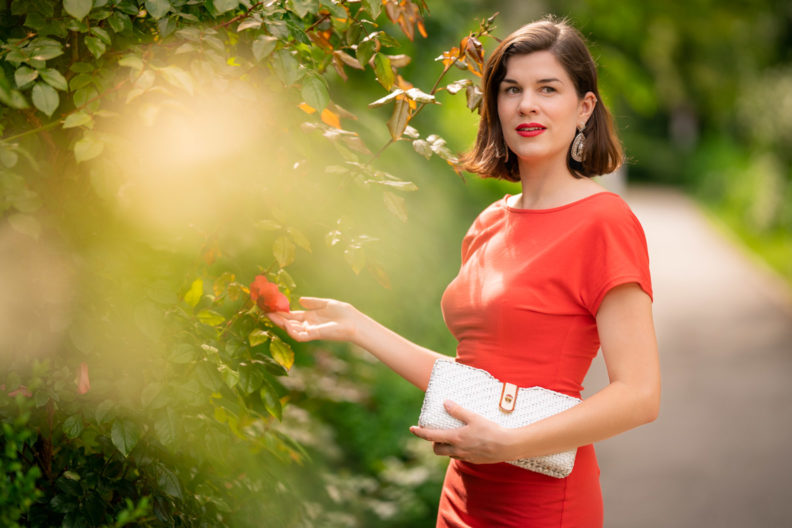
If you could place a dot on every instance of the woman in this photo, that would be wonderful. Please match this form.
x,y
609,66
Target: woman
x,y
547,278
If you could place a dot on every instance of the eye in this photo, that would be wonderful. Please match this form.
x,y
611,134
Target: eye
x,y
511,89
547,89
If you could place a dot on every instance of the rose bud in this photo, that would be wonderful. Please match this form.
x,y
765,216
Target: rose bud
x,y
267,296
83,383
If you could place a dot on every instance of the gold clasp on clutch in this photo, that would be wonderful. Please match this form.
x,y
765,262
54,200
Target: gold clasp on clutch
x,y
508,397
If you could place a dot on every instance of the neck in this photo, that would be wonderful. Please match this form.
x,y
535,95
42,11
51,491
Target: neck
x,y
543,182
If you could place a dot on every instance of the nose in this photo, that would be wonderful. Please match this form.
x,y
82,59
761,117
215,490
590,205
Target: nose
x,y
527,103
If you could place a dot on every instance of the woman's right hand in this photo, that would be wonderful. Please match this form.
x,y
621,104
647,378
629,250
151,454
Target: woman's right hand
x,y
326,319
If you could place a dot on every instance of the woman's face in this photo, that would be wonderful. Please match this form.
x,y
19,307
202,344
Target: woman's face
x,y
539,109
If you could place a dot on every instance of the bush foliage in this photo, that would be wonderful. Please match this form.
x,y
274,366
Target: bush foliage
x,y
156,156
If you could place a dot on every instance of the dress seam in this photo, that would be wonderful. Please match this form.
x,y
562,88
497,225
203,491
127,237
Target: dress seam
x,y
563,504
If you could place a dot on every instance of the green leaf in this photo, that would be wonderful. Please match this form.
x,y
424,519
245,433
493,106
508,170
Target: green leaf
x,y
299,239
103,411
77,119
182,353
286,67
55,79
178,78
119,22
157,8
314,91
250,378
384,71
285,280
395,205
399,118
95,45
77,8
8,157
220,414
365,50
282,352
229,375
25,75
336,9
263,46
88,147
398,185
45,51
258,336
210,317
125,435
73,426
305,7
12,98
194,294
249,23
81,67
165,427
283,249
208,376
225,5
81,80
150,392
102,34
45,98
374,7
271,401
168,482
131,61
83,95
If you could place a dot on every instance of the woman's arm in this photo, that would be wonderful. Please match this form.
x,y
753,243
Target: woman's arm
x,y
339,321
629,346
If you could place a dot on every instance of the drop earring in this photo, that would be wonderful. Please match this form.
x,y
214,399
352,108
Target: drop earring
x,y
578,145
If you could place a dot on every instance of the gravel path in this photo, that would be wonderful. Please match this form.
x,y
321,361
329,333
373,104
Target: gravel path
x,y
719,454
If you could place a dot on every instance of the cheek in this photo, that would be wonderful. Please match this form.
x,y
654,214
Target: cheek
x,y
501,105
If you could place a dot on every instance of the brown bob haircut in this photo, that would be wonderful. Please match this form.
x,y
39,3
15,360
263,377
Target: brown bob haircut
x,y
490,157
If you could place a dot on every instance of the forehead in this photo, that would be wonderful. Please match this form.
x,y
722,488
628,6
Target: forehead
x,y
534,66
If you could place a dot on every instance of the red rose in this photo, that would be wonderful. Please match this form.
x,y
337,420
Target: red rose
x,y
267,296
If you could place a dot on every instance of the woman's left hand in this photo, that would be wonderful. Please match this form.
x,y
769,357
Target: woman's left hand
x,y
479,441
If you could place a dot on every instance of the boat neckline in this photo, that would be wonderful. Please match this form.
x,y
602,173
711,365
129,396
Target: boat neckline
x,y
508,207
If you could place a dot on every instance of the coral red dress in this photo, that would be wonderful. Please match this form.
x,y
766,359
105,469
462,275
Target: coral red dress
x,y
523,307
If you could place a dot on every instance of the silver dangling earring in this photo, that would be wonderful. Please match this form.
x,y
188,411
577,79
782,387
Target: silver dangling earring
x,y
577,146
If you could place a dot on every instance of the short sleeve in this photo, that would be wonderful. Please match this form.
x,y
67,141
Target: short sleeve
x,y
616,253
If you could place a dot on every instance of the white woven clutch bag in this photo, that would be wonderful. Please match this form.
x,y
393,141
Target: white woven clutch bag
x,y
504,403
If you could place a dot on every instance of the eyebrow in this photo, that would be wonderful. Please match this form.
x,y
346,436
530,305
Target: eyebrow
x,y
540,81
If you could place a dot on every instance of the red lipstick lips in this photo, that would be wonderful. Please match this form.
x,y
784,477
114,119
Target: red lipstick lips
x,y
530,129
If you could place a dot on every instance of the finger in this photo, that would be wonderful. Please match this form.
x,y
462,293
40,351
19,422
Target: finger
x,y
432,435
278,320
313,303
294,316
309,332
459,412
441,449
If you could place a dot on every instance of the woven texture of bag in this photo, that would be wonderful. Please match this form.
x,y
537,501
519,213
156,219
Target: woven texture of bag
x,y
478,391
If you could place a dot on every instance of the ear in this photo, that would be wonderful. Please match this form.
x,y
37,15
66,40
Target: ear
x,y
586,107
